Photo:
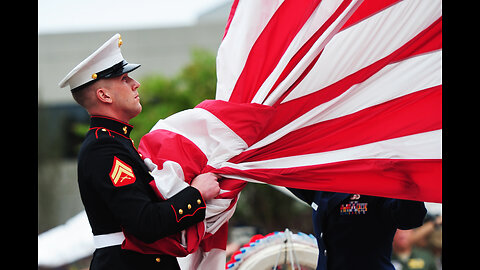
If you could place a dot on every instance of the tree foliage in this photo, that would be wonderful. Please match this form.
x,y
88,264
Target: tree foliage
x,y
163,96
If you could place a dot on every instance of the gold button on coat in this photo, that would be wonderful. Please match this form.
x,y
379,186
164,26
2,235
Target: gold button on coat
x,y
180,211
157,259
199,201
189,206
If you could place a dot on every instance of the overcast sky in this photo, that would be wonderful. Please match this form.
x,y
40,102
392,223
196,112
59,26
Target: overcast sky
x,y
63,16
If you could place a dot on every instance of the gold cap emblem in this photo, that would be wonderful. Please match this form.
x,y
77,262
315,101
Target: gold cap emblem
x,y
120,41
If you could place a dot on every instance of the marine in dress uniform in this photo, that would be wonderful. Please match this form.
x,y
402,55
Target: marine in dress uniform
x,y
356,231
114,181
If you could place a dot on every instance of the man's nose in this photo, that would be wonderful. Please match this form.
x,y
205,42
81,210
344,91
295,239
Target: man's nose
x,y
136,84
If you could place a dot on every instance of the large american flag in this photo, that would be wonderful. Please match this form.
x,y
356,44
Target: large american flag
x,y
342,96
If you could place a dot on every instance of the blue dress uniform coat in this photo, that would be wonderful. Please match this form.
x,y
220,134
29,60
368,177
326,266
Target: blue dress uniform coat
x,y
114,187
356,231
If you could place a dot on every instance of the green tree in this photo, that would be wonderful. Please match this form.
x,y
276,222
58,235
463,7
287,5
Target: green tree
x,y
163,96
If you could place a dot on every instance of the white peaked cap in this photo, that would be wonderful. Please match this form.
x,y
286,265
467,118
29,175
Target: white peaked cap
x,y
106,62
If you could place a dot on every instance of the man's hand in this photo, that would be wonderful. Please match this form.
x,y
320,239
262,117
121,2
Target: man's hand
x,y
207,184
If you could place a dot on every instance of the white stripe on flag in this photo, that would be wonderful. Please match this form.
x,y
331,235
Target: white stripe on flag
x,y
368,41
316,20
215,139
251,17
169,180
393,81
427,145
199,260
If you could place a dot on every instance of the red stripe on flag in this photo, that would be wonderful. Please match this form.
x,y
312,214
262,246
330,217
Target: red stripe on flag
x,y
161,145
306,47
414,113
217,240
230,17
245,119
270,46
169,245
367,9
408,179
425,40
300,78
428,41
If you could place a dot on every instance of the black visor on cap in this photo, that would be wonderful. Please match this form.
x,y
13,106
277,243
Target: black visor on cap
x,y
111,72
117,70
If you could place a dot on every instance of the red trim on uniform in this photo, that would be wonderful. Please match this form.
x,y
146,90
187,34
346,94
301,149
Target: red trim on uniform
x,y
109,130
96,133
189,215
111,118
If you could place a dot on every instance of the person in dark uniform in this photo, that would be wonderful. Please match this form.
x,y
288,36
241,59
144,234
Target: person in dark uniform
x,y
356,231
112,177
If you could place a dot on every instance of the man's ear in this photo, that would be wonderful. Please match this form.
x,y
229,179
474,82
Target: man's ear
x,y
103,95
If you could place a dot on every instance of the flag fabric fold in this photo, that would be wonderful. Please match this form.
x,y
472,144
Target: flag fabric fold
x,y
342,96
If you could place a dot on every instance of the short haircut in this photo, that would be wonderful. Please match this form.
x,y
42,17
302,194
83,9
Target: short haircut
x,y
85,96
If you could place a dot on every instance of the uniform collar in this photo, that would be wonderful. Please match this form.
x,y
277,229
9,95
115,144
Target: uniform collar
x,y
112,124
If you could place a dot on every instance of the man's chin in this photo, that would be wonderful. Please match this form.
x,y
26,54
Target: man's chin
x,y
139,110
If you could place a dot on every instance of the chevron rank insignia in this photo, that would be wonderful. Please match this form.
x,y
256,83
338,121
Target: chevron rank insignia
x,y
121,173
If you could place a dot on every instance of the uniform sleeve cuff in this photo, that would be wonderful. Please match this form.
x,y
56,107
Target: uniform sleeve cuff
x,y
188,205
